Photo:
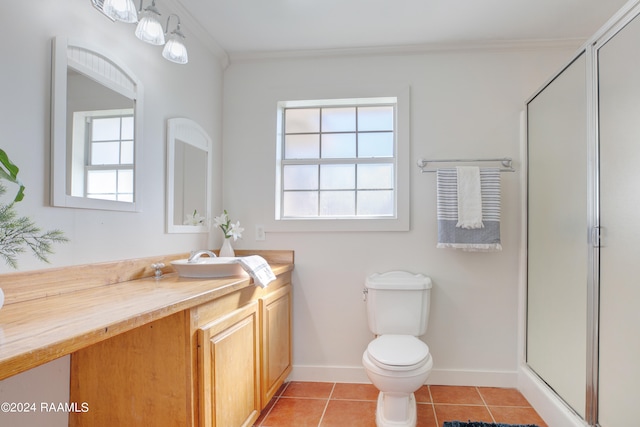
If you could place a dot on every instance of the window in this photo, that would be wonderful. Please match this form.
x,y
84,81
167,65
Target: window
x,y
106,156
338,160
343,164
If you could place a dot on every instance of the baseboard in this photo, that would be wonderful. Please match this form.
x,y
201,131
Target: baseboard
x,y
504,379
333,374
357,374
551,408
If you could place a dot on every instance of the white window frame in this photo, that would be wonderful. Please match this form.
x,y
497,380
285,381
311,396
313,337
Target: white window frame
x,y
81,150
398,222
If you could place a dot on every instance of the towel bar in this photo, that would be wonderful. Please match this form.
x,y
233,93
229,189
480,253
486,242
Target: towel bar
x,y
506,163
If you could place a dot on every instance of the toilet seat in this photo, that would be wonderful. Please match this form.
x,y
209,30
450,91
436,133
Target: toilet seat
x,y
398,352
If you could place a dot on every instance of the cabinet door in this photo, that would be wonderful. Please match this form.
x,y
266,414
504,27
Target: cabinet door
x,y
228,365
275,311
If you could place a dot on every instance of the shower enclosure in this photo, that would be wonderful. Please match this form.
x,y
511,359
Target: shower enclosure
x,y
583,149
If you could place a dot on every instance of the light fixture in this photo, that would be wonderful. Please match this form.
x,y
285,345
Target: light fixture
x,y
120,10
149,28
175,50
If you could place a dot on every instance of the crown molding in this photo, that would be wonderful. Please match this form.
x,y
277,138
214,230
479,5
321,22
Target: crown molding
x,y
495,46
193,27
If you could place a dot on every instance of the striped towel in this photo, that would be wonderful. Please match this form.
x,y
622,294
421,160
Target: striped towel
x,y
258,268
477,239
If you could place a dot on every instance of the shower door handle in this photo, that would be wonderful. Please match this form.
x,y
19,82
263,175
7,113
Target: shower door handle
x,y
596,236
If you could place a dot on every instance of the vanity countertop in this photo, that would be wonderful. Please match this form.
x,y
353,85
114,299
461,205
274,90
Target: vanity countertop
x,y
50,321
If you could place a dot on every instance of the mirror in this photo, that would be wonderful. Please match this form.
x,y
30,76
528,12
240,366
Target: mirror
x,y
96,107
188,177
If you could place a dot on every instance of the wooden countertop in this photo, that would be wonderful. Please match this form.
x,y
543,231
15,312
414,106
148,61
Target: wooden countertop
x,y
36,328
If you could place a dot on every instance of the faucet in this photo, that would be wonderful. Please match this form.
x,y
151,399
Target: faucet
x,y
195,255
158,266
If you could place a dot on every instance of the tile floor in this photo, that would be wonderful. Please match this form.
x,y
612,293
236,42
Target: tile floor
x,y
302,404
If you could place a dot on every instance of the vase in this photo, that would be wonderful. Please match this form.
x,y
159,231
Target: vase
x,y
227,250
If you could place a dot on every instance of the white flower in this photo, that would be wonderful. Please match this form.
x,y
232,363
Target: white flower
x,y
229,229
222,220
235,231
195,219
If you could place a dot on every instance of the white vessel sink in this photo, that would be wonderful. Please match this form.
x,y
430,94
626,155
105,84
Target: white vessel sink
x,y
209,267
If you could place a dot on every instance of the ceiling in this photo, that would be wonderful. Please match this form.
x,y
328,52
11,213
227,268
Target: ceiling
x,y
245,26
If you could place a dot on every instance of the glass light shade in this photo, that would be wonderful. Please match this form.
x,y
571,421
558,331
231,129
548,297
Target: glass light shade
x,y
121,10
149,29
175,50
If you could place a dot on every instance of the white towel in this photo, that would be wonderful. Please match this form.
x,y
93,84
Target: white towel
x,y
258,268
479,239
469,197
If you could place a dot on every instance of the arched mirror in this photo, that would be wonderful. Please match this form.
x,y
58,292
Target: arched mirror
x,y
96,111
188,177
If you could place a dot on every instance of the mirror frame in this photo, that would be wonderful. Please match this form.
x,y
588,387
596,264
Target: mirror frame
x,y
99,66
192,133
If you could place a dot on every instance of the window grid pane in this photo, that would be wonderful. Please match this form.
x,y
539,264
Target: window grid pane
x,y
337,203
375,118
300,177
375,144
302,120
107,129
338,119
300,204
375,176
126,152
338,145
105,153
302,146
350,174
109,168
337,177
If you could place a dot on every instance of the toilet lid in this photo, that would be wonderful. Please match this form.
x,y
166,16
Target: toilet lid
x,y
397,350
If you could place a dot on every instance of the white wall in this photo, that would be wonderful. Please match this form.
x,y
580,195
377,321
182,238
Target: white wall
x,y
464,104
171,90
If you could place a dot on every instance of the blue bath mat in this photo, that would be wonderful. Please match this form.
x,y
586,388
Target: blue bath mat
x,y
481,424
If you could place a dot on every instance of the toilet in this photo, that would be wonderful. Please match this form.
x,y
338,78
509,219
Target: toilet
x,y
397,362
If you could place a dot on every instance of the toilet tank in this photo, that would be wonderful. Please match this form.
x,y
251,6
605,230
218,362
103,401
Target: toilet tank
x,y
398,303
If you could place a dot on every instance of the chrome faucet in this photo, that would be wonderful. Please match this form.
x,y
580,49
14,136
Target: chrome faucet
x,y
195,255
158,266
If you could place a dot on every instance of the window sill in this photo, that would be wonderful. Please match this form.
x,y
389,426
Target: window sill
x,y
339,225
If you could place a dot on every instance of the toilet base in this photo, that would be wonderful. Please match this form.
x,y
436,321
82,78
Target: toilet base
x,y
396,405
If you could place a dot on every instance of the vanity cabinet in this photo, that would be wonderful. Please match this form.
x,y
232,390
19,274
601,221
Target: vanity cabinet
x,y
229,369
216,364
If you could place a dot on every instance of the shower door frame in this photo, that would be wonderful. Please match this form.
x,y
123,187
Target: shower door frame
x,y
618,22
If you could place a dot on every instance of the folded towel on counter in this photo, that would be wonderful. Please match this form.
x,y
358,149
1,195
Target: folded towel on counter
x,y
469,197
474,239
258,268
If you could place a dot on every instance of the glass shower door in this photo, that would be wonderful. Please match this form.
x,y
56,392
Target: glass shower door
x,y
619,144
558,249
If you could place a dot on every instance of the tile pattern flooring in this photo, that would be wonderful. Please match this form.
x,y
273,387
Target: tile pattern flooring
x,y
317,404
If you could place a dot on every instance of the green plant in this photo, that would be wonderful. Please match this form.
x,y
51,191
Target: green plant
x,y
19,234
10,173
